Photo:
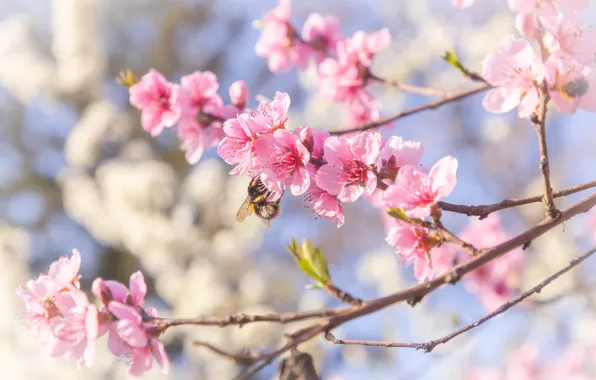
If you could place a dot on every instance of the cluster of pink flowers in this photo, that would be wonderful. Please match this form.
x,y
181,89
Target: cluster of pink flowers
x,y
523,364
343,64
193,106
563,70
67,325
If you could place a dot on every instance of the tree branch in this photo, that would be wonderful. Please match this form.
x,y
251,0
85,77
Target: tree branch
x,y
431,345
404,87
240,358
544,166
484,210
432,105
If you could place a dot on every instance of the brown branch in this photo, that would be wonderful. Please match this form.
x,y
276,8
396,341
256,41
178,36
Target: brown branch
x,y
429,106
454,239
242,319
431,345
544,166
484,210
241,358
404,87
342,295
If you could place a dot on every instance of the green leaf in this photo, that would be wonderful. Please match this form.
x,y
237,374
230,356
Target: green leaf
x,y
317,262
452,59
311,261
398,213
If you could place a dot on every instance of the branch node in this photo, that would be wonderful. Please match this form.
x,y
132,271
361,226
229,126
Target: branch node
x,y
415,300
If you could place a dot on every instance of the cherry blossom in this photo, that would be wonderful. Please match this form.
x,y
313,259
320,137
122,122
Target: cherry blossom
x,y
281,160
323,203
572,85
273,113
547,8
314,142
278,41
239,144
416,192
322,34
349,172
517,73
567,40
495,281
396,153
238,94
153,95
414,244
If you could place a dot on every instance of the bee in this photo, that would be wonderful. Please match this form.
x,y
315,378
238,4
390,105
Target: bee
x,y
575,88
256,202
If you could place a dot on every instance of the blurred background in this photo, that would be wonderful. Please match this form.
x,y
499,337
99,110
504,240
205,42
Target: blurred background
x,y
78,171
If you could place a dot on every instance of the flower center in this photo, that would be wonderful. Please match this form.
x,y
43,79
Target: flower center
x,y
354,173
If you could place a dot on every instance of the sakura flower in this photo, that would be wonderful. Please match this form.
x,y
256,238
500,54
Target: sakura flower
x,y
238,94
239,144
361,108
495,281
201,88
340,79
273,113
517,73
77,329
323,203
416,192
322,33
314,142
153,95
195,138
396,153
278,41
366,46
39,309
572,85
281,159
527,25
130,335
65,271
349,171
462,3
567,40
414,244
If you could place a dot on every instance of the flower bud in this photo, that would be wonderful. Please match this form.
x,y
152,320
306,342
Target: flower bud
x,y
238,94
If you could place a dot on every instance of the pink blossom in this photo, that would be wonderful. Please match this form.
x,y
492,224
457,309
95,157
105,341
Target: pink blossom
x,y
527,25
202,92
567,40
195,138
273,113
131,335
281,159
77,329
361,108
314,141
495,281
396,153
153,95
278,41
239,144
414,245
238,94
365,46
517,73
339,79
65,272
462,3
349,171
323,203
39,309
572,85
416,192
322,33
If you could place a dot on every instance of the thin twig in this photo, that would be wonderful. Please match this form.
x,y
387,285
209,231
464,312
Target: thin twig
x,y
431,345
404,87
241,358
484,210
452,238
342,295
544,165
429,106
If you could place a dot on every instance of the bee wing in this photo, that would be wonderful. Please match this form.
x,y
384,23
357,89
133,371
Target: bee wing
x,y
244,210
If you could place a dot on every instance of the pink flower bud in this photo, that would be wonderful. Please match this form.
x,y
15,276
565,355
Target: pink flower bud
x,y
239,94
